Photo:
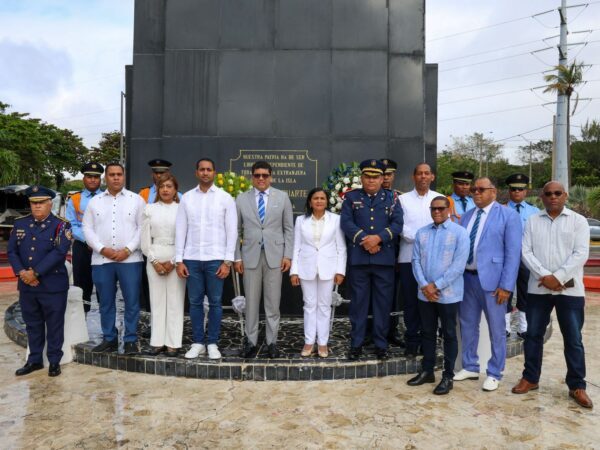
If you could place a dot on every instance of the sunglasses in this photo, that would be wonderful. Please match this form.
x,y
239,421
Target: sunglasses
x,y
261,175
438,208
516,189
479,190
555,193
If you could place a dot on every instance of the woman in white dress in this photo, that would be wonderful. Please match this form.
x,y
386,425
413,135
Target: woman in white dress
x,y
167,290
319,261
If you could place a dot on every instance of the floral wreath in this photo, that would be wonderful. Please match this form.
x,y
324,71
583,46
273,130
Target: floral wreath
x,y
233,184
342,179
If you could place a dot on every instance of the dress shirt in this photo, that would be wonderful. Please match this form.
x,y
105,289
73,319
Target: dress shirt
x,y
482,220
439,255
71,214
265,198
458,204
317,228
525,211
206,226
114,222
558,247
416,215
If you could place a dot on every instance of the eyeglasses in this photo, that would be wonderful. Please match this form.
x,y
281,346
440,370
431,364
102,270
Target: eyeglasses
x,y
516,189
437,208
261,175
555,193
479,190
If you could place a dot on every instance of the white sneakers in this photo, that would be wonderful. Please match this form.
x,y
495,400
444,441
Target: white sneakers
x,y
466,375
199,349
195,351
490,384
213,352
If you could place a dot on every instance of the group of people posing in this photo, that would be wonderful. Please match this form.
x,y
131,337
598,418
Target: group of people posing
x,y
452,259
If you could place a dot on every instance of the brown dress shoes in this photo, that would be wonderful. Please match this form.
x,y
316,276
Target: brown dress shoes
x,y
524,386
581,398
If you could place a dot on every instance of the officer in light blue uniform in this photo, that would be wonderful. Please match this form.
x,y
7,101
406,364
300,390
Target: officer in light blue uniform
x,y
37,249
460,200
81,252
517,191
371,221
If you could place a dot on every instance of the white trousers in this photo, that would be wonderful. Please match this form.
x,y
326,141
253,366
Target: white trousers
x,y
317,310
167,296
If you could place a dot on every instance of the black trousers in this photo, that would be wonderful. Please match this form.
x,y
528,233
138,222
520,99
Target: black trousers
x,y
82,271
522,281
429,313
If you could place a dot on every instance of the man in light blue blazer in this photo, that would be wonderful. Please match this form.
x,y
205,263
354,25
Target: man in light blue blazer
x,y
495,234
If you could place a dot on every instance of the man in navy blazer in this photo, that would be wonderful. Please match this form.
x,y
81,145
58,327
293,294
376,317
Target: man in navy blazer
x,y
495,235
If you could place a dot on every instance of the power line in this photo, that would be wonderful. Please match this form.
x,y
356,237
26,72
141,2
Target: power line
x,y
489,113
490,51
483,96
491,81
491,60
523,132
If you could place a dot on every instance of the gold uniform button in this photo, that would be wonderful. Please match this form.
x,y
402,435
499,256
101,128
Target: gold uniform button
x,y
30,258
372,218
372,227
32,249
33,238
372,209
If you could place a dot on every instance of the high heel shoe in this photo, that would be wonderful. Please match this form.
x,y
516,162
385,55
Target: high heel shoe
x,y
307,350
323,351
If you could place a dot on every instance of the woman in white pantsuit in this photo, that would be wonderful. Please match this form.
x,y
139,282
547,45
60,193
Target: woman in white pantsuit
x,y
319,261
167,290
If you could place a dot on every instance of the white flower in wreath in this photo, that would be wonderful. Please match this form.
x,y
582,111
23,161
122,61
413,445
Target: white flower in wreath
x,y
355,186
355,180
346,180
332,209
230,181
338,186
332,200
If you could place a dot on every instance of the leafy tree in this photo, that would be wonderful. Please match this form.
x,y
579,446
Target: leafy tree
x,y
64,152
477,148
108,149
585,162
541,161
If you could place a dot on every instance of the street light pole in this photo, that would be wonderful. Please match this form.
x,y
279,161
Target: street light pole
x,y
121,146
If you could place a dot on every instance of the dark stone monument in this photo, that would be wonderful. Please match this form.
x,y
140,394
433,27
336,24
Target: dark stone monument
x,y
304,84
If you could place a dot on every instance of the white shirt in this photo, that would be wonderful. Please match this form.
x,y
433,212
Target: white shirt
x,y
114,222
558,247
317,228
206,226
158,231
482,220
416,215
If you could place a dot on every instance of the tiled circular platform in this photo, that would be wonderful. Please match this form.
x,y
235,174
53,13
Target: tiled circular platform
x,y
289,367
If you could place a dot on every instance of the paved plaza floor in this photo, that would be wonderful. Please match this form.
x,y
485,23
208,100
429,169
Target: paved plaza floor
x,y
91,407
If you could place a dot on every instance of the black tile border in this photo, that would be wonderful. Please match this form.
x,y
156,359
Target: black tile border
x,y
238,369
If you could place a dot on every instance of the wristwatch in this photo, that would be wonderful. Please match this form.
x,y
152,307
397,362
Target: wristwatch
x,y
227,263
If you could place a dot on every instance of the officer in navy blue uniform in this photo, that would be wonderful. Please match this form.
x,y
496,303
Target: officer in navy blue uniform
x,y
37,249
371,222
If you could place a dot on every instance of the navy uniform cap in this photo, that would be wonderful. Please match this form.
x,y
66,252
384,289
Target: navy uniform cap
x,y
463,175
92,168
372,167
390,166
37,193
517,180
159,165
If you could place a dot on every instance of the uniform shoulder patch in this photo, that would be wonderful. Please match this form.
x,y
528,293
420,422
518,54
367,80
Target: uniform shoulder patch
x,y
62,218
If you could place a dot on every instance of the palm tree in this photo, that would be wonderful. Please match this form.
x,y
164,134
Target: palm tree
x,y
564,82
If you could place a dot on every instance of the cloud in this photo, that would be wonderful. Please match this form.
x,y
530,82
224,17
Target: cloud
x,y
33,69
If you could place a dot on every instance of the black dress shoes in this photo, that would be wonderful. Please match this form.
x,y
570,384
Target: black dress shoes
x,y
154,351
28,368
422,378
249,351
106,346
396,339
381,353
444,387
273,351
130,348
354,353
54,370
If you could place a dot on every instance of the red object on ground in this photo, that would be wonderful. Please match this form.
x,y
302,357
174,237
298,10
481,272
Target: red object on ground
x,y
7,274
592,282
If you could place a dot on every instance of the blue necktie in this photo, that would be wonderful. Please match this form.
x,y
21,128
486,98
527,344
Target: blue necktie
x,y
473,235
519,206
464,204
261,207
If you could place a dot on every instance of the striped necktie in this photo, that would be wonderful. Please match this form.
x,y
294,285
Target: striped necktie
x,y
261,207
473,235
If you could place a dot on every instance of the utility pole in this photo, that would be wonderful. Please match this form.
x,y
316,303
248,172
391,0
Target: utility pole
x,y
530,158
561,157
480,143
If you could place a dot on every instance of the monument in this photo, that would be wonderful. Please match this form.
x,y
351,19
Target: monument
x,y
303,84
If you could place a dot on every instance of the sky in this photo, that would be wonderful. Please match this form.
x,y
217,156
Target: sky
x,y
63,61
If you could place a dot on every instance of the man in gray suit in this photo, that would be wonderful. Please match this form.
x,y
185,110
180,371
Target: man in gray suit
x,y
266,230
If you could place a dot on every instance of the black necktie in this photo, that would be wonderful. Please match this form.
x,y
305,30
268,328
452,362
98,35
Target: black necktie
x,y
464,203
519,206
